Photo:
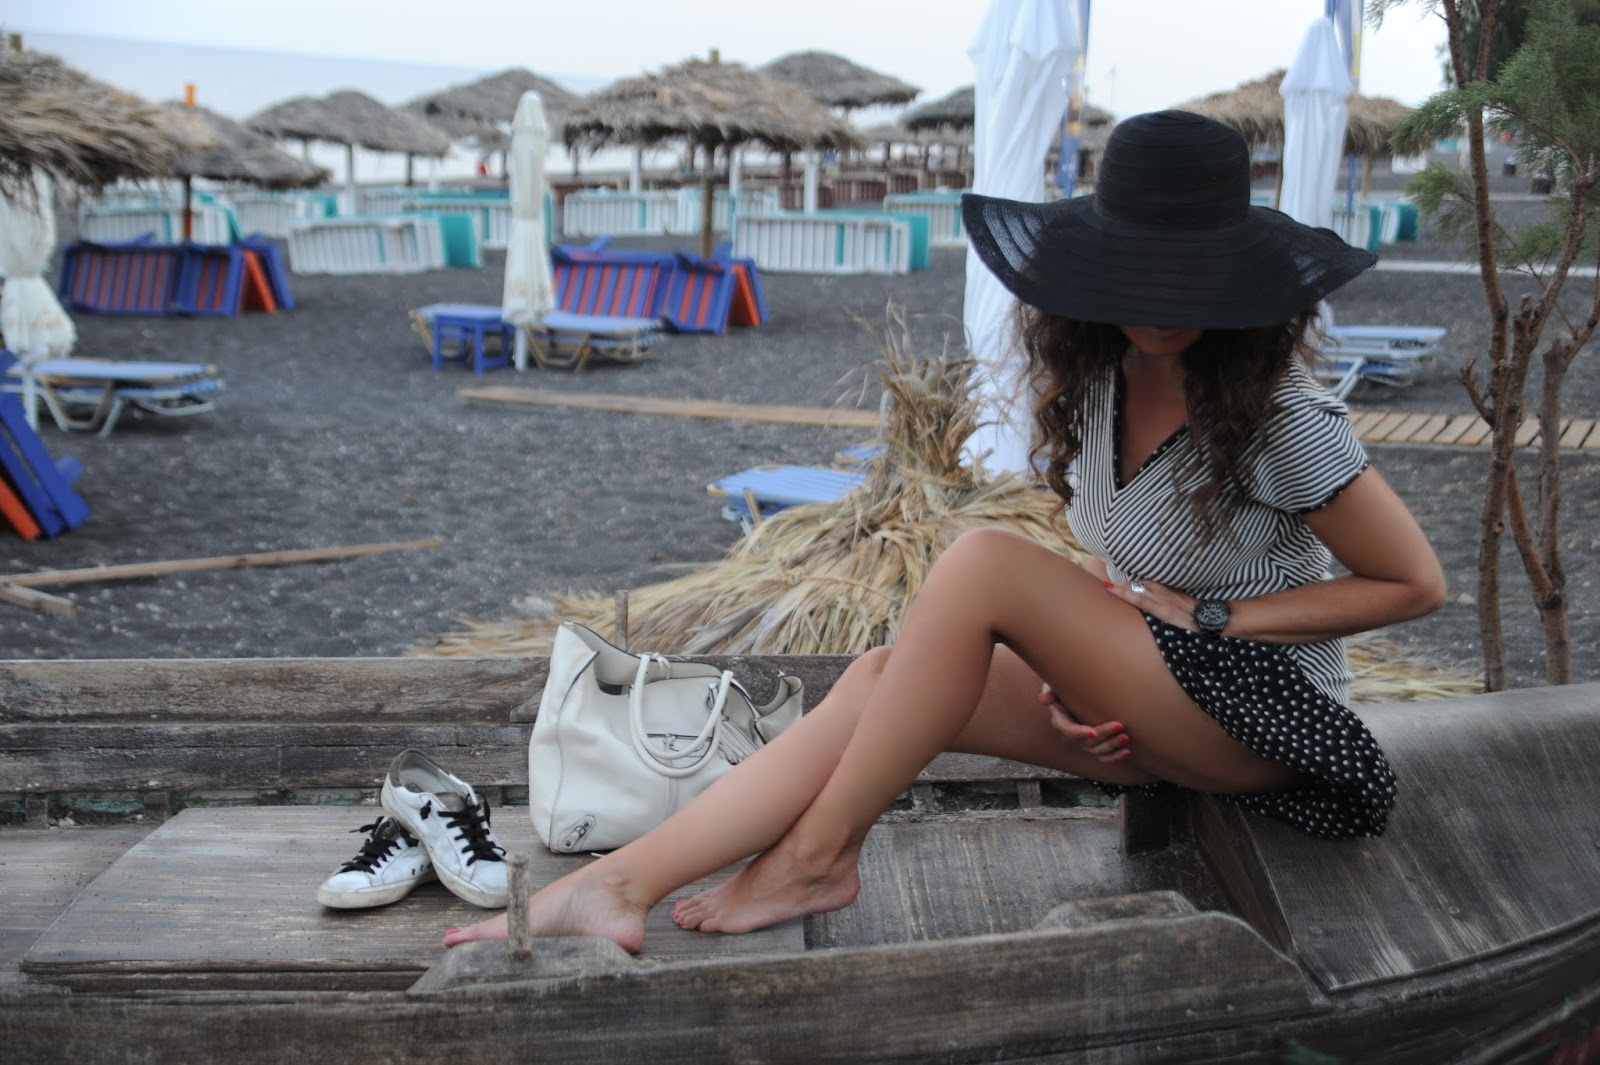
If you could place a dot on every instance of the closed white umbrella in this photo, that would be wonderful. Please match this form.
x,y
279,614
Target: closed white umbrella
x,y
528,296
1316,93
32,323
1022,56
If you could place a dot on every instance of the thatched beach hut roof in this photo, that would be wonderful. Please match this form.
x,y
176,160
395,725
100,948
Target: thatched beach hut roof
x,y
352,119
1255,110
382,128
241,154
491,102
708,104
834,81
81,131
959,109
955,110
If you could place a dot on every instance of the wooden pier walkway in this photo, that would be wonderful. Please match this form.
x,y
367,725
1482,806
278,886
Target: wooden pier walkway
x,y
1462,430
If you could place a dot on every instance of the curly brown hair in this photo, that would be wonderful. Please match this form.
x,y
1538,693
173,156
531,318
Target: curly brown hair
x,y
1229,377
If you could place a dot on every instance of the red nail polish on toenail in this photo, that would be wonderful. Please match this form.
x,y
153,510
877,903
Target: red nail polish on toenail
x,y
453,931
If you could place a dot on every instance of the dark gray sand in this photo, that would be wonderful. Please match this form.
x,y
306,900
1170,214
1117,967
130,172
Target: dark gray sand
x,y
335,430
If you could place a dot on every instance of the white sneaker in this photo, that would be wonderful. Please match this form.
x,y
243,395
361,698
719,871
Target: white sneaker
x,y
389,864
452,822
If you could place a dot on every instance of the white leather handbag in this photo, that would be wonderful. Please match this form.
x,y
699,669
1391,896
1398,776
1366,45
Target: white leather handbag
x,y
623,741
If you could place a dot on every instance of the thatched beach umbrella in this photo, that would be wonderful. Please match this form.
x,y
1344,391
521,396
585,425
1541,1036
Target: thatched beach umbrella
x,y
240,154
1255,110
491,102
480,112
80,131
352,119
834,81
954,110
237,154
709,105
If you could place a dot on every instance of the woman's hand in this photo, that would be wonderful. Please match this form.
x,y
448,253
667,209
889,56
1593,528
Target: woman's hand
x,y
1107,742
1158,601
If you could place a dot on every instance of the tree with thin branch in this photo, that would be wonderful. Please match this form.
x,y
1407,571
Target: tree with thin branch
x,y
1547,94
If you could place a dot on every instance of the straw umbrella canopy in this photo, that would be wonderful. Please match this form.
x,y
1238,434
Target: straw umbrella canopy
x,y
1255,110
834,81
80,131
354,120
491,102
709,105
955,110
240,154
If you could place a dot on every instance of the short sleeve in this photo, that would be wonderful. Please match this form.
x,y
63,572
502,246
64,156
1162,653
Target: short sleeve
x,y
1310,452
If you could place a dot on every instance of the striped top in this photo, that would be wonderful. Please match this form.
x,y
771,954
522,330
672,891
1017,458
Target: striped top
x,y
1305,456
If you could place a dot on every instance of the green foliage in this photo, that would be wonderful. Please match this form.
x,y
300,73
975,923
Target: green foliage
x,y
1547,96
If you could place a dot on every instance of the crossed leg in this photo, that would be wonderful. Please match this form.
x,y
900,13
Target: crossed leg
x,y
996,617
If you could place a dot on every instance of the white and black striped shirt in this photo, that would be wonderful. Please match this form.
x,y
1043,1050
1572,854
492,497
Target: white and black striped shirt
x,y
1306,454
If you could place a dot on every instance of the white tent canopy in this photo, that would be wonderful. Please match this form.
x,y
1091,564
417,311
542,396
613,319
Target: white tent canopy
x,y
527,296
1316,93
1022,55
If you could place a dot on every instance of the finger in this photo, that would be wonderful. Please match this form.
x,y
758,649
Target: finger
x,y
1119,756
1111,745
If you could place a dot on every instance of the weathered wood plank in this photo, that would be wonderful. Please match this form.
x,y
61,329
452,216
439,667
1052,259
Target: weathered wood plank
x,y
1406,429
194,757
213,893
1429,428
1459,426
678,408
1492,843
45,869
325,689
1577,430
1475,434
302,689
1383,429
1364,421
948,878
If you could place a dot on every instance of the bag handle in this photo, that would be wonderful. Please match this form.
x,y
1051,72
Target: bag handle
x,y
659,758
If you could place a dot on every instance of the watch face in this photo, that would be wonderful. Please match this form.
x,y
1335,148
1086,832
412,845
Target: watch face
x,y
1212,615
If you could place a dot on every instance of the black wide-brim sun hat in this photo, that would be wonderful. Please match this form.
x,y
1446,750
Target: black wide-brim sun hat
x,y
1169,237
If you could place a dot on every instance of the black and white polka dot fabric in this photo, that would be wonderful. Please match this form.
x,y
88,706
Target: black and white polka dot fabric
x,y
1286,702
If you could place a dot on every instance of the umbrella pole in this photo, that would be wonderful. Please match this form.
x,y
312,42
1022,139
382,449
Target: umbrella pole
x,y
188,210
708,190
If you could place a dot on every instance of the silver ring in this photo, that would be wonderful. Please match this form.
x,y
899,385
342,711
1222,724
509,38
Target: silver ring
x,y
1137,588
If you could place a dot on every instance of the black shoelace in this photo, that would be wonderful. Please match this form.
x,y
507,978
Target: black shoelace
x,y
472,826
376,848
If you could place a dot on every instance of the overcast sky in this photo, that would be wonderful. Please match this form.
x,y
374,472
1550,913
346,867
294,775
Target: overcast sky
x,y
1143,54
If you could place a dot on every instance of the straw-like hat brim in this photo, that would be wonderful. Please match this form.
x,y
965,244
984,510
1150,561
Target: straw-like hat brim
x,y
1071,259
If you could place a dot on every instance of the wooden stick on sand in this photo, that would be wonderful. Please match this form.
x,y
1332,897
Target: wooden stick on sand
x,y
18,588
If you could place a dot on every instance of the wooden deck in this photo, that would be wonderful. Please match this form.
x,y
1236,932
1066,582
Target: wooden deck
x,y
224,899
1462,430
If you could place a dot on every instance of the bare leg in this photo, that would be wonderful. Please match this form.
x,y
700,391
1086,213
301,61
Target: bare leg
x,y
817,789
1096,653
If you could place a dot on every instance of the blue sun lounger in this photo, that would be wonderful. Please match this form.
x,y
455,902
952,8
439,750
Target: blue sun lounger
x,y
753,494
91,395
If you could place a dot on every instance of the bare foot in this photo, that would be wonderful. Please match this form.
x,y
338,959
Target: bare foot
x,y
575,905
772,889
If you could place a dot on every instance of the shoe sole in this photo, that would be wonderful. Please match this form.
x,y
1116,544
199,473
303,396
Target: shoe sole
x,y
461,889
365,900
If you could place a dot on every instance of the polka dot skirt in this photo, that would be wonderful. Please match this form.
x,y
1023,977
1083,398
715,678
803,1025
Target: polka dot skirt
x,y
1259,696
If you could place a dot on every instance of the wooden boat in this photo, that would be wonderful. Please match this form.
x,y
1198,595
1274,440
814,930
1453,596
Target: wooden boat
x,y
1006,915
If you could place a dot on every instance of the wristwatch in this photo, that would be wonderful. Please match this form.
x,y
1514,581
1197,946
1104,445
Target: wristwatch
x,y
1211,616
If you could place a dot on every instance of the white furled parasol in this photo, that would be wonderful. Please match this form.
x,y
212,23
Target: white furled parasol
x,y
32,323
528,296
1316,93
1022,56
